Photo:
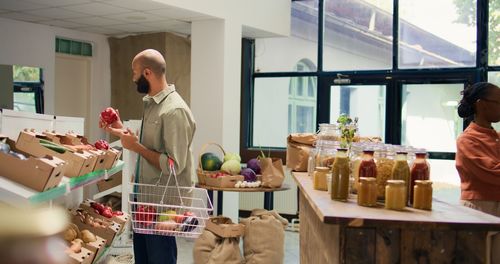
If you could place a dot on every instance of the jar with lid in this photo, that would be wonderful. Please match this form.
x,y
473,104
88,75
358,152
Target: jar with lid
x,y
320,178
367,192
340,176
328,132
401,170
422,195
384,160
367,167
355,157
325,154
395,195
419,170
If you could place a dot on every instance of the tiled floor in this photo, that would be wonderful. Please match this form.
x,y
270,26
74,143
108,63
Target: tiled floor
x,y
185,250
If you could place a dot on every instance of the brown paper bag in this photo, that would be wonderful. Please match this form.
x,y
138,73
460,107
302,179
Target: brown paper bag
x,y
272,172
297,150
264,239
212,249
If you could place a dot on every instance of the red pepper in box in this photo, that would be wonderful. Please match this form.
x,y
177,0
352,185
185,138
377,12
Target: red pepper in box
x,y
101,144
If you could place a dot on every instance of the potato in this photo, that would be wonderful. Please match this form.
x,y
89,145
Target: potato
x,y
88,236
70,234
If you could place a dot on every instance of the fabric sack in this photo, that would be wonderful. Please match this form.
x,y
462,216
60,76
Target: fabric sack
x,y
272,172
297,150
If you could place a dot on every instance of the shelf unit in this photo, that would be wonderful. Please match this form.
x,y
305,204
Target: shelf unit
x,y
16,194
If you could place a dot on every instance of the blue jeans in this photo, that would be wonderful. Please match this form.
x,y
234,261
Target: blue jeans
x,y
154,249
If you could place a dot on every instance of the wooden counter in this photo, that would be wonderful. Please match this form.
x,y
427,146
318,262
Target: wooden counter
x,y
338,232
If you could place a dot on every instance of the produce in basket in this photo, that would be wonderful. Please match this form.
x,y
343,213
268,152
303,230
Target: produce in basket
x,y
168,225
254,164
167,215
190,223
231,166
145,214
210,162
232,156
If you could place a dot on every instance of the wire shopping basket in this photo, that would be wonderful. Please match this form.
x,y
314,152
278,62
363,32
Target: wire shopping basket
x,y
169,210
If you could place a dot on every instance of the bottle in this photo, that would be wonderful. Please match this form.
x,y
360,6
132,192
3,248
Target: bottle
x,y
367,192
419,171
422,195
401,170
320,178
355,157
340,176
395,195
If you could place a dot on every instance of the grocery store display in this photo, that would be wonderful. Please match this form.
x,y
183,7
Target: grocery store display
x,y
102,227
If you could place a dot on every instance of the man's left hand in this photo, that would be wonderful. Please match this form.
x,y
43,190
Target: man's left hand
x,y
129,140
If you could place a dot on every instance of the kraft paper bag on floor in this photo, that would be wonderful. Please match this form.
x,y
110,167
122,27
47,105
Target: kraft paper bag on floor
x,y
272,172
212,249
264,237
297,150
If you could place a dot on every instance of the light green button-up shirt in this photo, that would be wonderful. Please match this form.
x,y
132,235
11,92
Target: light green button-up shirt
x,y
168,128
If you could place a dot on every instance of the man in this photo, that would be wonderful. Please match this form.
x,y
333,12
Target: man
x,y
167,132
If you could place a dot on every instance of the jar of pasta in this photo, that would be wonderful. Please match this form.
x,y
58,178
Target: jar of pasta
x,y
384,160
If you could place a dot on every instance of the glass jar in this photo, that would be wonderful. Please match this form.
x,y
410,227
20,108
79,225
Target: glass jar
x,y
395,195
311,163
367,192
384,159
355,157
328,132
325,154
401,170
320,178
340,176
422,195
419,171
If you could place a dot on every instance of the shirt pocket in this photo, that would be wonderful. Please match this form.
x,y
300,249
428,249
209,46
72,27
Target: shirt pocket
x,y
152,135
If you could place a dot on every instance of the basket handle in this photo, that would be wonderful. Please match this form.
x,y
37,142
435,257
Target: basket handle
x,y
202,150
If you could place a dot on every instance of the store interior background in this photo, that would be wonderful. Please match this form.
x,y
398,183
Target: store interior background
x,y
207,39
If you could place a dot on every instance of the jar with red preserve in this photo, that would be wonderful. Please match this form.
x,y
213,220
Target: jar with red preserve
x,y
419,170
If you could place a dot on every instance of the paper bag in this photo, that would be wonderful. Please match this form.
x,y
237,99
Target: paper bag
x,y
297,150
272,172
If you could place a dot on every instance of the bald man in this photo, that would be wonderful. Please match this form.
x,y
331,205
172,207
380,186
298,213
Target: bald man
x,y
167,129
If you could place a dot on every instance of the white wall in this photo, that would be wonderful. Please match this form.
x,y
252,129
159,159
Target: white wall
x,y
268,17
34,45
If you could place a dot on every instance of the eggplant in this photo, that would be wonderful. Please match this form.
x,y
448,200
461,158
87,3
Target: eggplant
x,y
189,224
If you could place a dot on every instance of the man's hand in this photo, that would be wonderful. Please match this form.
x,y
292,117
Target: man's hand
x,y
128,138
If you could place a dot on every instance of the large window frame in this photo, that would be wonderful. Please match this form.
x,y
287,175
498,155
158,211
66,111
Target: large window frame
x,y
393,79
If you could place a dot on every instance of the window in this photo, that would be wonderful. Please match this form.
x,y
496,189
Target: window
x,y
28,89
430,117
358,35
438,42
366,102
73,47
402,65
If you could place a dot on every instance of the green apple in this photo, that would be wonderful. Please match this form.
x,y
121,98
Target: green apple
x,y
167,215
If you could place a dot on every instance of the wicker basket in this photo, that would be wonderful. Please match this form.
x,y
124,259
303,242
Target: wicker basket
x,y
202,174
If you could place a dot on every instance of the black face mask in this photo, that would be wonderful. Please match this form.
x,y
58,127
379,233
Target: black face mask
x,y
142,85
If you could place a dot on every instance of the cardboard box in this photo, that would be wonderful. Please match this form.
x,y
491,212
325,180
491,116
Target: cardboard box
x,y
77,140
84,257
224,181
120,219
224,227
113,181
107,233
112,154
39,174
96,247
79,162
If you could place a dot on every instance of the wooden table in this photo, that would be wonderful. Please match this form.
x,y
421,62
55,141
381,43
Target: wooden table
x,y
338,232
268,194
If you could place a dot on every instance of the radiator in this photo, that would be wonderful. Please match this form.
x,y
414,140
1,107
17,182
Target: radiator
x,y
285,202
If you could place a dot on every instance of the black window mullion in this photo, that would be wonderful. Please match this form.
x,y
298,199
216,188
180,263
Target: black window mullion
x,y
395,35
482,38
323,101
321,12
393,112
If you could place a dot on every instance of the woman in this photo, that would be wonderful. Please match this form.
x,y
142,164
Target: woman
x,y
478,148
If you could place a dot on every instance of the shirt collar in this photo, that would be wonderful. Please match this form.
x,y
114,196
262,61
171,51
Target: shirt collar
x,y
157,98
482,129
